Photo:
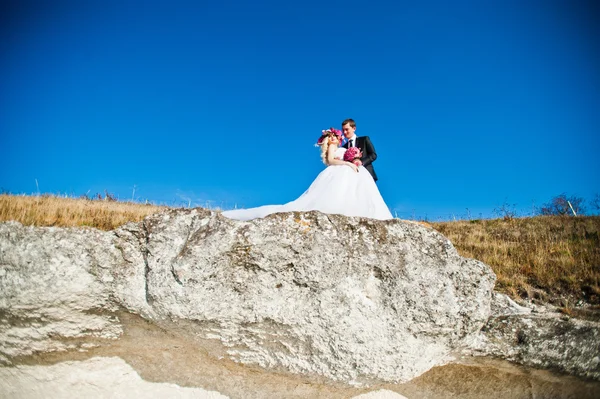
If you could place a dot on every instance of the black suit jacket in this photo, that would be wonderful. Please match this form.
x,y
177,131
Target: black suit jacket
x,y
368,151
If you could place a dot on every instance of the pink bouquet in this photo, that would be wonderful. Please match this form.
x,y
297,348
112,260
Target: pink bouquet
x,y
353,154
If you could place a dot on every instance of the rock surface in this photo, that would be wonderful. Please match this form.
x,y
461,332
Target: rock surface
x,y
103,377
93,378
540,337
160,355
349,299
54,286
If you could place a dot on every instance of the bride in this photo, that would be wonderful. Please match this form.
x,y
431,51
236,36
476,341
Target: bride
x,y
342,188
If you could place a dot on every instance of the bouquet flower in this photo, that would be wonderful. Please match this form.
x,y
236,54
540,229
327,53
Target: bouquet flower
x,y
353,154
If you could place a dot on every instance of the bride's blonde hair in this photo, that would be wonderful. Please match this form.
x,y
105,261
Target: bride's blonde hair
x,y
324,148
325,140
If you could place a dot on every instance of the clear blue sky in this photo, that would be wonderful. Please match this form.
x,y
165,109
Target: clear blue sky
x,y
470,104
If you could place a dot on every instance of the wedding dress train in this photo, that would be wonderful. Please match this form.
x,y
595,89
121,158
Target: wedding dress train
x,y
338,189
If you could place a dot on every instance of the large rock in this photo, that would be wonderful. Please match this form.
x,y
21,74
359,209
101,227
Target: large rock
x,y
539,337
351,299
54,286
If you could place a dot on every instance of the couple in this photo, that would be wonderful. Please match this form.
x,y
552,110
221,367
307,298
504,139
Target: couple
x,y
347,186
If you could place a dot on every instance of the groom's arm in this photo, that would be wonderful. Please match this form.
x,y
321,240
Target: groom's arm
x,y
369,155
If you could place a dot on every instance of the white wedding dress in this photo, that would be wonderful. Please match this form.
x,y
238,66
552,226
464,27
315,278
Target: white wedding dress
x,y
337,190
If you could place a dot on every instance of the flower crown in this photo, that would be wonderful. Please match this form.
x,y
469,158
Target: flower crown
x,y
327,133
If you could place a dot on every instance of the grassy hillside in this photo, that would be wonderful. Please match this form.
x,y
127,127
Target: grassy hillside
x,y
551,258
57,211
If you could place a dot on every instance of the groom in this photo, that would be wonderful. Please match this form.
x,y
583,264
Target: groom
x,y
364,143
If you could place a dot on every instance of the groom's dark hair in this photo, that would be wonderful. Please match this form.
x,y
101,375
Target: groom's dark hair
x,y
350,121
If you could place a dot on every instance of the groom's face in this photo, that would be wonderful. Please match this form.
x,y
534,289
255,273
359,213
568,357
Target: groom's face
x,y
348,130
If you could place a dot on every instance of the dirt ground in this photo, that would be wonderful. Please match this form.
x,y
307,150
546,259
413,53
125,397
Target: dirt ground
x,y
160,355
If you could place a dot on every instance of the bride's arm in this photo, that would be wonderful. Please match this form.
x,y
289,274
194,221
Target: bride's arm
x,y
331,160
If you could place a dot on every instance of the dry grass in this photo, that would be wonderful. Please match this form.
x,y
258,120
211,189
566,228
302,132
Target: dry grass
x,y
546,257
554,258
66,212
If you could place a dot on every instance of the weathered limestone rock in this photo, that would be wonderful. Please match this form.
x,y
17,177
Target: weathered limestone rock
x,y
93,378
350,299
52,290
541,339
105,377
